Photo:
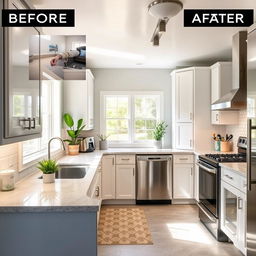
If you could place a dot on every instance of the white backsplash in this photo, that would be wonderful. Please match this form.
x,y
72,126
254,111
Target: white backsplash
x,y
240,129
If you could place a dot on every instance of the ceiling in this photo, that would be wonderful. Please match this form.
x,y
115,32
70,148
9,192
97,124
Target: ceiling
x,y
118,33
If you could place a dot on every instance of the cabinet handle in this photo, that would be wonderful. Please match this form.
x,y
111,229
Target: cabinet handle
x,y
239,203
113,161
97,191
229,177
125,159
23,123
217,117
34,123
183,158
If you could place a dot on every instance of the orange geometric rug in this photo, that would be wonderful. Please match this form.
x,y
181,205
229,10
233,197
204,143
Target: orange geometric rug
x,y
123,226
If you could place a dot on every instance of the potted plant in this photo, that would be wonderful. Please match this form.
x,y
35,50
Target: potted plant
x,y
73,133
48,168
103,141
158,133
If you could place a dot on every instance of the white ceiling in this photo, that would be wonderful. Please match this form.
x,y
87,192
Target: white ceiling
x,y
118,33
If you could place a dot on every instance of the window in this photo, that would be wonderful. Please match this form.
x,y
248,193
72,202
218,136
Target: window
x,y
130,117
51,122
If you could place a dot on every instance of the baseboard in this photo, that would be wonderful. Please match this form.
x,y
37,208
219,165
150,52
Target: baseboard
x,y
183,201
118,201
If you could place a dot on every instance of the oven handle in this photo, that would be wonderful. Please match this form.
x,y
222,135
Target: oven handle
x,y
210,170
206,213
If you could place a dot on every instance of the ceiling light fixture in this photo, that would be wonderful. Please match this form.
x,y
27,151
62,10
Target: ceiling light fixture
x,y
163,10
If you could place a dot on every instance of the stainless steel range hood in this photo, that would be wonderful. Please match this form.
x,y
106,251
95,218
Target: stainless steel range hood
x,y
236,98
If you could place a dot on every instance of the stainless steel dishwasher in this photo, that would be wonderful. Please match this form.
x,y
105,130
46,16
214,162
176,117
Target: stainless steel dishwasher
x,y
154,179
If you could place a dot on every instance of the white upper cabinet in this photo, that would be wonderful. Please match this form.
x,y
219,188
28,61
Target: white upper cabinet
x,y
221,80
78,99
184,96
191,108
90,98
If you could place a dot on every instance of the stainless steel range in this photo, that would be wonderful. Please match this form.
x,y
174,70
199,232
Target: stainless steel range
x,y
209,186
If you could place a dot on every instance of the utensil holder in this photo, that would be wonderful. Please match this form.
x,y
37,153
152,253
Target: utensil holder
x,y
217,145
225,146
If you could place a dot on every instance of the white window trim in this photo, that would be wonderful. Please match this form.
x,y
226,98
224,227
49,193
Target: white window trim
x,y
130,94
30,159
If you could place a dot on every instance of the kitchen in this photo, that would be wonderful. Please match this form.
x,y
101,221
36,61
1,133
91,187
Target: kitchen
x,y
165,134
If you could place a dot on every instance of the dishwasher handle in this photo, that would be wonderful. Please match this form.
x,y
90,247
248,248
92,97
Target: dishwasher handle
x,y
154,158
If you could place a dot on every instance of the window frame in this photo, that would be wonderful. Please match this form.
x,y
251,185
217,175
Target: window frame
x,y
31,158
131,116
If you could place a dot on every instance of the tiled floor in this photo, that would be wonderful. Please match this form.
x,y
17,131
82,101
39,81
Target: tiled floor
x,y
176,231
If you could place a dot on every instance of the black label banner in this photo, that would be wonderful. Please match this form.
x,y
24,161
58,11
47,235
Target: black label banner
x,y
38,18
218,17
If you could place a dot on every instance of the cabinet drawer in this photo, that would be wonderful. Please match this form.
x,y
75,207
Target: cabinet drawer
x,y
183,159
125,159
234,179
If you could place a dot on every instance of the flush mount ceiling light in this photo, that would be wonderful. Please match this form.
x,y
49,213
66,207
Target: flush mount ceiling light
x,y
163,10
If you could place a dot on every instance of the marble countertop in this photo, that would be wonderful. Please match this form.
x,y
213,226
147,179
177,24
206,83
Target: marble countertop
x,y
239,168
65,195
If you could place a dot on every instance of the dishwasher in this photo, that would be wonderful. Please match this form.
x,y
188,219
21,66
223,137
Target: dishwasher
x,y
154,179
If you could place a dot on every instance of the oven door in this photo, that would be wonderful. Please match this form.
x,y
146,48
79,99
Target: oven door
x,y
208,187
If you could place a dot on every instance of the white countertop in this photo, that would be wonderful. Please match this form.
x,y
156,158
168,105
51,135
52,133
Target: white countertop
x,y
239,168
65,195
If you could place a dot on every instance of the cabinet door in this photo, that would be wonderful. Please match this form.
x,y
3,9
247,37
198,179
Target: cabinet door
x,y
183,176
90,99
21,88
125,182
233,215
184,136
108,189
75,99
184,96
215,84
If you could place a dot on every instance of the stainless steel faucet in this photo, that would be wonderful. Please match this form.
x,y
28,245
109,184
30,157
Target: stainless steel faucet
x,y
49,145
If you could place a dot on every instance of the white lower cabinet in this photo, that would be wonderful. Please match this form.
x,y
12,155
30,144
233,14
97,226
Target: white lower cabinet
x,y
183,178
233,209
108,177
125,182
118,180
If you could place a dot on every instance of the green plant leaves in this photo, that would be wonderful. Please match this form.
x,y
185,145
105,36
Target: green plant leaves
x,y
68,120
72,132
48,166
79,123
160,130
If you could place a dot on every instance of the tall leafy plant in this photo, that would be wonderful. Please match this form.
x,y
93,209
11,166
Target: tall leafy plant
x,y
73,132
160,130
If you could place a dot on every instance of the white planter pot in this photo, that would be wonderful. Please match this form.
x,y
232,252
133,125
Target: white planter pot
x,y
158,144
103,145
49,178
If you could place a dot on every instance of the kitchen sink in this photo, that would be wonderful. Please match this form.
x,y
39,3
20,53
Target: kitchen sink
x,y
71,172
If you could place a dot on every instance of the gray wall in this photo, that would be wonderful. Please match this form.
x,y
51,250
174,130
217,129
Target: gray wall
x,y
134,80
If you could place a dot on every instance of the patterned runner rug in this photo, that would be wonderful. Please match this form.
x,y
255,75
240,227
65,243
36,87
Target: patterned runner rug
x,y
123,226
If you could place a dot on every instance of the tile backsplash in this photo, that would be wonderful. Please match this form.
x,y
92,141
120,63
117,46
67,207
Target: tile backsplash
x,y
240,129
